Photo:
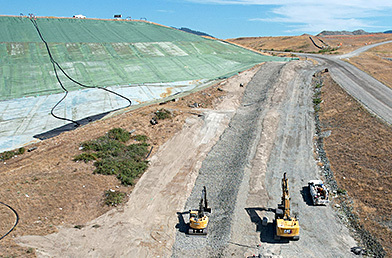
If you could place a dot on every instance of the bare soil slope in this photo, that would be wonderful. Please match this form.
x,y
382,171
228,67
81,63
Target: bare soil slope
x,y
48,189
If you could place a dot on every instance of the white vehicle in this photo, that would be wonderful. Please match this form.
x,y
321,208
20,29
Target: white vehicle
x,y
79,16
319,192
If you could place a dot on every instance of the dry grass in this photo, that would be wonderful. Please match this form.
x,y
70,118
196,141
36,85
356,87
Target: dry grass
x,y
303,44
48,189
377,62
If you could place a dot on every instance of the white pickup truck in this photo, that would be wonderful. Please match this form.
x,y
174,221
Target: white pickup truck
x,y
319,192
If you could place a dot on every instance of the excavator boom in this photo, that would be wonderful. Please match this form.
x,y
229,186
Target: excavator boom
x,y
198,220
286,226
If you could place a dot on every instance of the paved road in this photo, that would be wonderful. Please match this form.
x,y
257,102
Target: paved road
x,y
272,132
363,49
374,95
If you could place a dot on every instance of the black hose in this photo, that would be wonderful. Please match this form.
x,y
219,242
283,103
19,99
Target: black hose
x,y
149,152
16,221
55,64
314,43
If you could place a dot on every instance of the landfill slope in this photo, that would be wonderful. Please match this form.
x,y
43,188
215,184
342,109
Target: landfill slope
x,y
141,61
109,53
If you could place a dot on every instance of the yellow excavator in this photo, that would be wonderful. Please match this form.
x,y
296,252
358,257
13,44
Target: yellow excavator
x,y
286,226
198,220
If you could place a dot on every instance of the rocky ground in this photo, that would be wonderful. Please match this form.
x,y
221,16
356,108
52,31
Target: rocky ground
x,y
271,133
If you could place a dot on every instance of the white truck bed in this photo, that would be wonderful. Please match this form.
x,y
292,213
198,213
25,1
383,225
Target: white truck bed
x,y
319,192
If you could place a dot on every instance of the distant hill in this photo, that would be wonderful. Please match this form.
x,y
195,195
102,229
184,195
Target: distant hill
x,y
199,33
343,32
388,31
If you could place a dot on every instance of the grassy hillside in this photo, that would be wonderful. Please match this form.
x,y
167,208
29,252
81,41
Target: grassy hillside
x,y
109,53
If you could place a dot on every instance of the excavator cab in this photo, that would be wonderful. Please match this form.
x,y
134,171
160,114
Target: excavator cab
x,y
198,220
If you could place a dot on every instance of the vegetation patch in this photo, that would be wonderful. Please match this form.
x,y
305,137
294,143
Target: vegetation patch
x,y
112,156
162,114
10,154
327,49
113,198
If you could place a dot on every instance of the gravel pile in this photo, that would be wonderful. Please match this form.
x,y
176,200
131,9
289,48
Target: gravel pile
x,y
223,169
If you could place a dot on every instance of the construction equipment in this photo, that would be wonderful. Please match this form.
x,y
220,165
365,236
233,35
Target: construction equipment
x,y
286,226
319,192
198,220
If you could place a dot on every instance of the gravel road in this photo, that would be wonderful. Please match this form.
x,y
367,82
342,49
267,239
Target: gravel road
x,y
271,133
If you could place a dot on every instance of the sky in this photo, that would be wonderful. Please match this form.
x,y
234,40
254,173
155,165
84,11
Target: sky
x,y
226,18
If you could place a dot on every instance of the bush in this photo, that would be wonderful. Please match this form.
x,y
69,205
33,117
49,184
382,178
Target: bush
x,y
20,151
113,198
86,157
140,138
9,154
162,114
341,191
317,101
119,134
137,151
113,157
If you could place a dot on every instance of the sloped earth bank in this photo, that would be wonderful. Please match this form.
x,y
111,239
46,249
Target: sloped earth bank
x,y
271,133
146,225
240,154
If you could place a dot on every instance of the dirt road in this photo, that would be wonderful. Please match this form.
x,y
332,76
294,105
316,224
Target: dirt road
x,y
272,132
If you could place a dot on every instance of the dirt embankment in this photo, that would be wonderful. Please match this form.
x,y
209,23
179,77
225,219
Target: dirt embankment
x,y
48,189
359,150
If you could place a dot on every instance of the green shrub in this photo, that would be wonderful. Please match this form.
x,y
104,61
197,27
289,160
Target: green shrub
x,y
20,151
113,157
162,114
107,166
119,134
131,171
113,198
341,191
7,155
140,138
137,151
86,157
317,101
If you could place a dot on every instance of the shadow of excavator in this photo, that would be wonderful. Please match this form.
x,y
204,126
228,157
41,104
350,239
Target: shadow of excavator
x,y
265,227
